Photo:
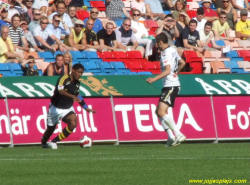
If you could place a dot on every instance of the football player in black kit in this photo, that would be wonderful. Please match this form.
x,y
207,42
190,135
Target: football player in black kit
x,y
61,106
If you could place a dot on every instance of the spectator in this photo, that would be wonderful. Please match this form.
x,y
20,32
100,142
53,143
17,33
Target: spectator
x,y
221,28
169,28
29,71
125,37
35,22
210,15
72,14
77,3
182,22
243,26
231,13
77,38
154,7
41,5
13,9
141,33
65,18
93,16
7,54
107,37
17,35
29,14
207,38
67,62
42,34
241,4
190,38
169,4
140,5
115,8
200,19
4,16
92,43
180,6
56,68
58,32
218,3
29,37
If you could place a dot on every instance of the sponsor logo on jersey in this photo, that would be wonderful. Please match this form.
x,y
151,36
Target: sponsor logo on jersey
x,y
60,87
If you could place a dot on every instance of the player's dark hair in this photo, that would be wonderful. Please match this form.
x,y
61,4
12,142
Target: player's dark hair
x,y
77,66
162,37
59,55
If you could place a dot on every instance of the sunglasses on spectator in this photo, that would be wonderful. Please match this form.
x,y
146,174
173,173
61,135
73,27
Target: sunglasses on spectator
x,y
136,14
31,62
37,13
170,20
223,17
79,25
29,1
44,22
225,1
127,25
57,21
95,13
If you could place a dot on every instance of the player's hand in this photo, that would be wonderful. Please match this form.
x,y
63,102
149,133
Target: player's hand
x,y
90,110
150,80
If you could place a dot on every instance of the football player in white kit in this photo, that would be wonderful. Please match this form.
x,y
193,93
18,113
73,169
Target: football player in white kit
x,y
171,65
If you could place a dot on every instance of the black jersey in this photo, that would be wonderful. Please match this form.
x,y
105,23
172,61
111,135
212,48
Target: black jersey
x,y
64,83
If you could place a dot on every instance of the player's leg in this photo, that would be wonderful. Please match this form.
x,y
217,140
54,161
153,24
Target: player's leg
x,y
46,135
71,120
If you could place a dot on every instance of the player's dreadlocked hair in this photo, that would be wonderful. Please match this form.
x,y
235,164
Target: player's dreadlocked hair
x,y
77,66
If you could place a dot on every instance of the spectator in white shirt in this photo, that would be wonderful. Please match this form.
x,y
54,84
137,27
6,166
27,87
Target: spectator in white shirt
x,y
13,9
141,33
200,19
41,5
140,5
66,20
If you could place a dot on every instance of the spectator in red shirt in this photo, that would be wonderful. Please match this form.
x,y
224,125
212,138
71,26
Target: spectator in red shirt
x,y
210,15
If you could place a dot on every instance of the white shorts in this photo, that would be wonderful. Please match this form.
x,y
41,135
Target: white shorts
x,y
55,114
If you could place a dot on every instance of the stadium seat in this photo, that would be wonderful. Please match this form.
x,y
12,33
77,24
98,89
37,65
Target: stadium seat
x,y
232,54
151,33
233,44
151,25
10,74
91,67
234,67
47,56
207,68
193,5
4,69
220,43
219,67
134,66
191,13
244,43
144,73
153,67
127,5
191,56
245,54
116,73
42,66
106,56
119,22
208,57
130,73
100,74
27,54
120,55
105,67
119,67
77,56
14,68
219,56
58,52
81,14
245,65
98,4
91,56
134,55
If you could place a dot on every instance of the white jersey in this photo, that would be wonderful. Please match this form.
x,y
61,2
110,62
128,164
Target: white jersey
x,y
170,57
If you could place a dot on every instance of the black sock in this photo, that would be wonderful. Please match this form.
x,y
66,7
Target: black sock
x,y
65,133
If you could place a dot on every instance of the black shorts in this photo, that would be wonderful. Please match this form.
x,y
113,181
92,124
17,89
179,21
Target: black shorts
x,y
169,94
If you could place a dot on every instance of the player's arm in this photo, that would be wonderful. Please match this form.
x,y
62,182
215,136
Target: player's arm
x,y
181,63
84,105
160,76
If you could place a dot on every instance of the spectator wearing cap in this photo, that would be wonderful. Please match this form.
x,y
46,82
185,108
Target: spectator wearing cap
x,y
207,38
210,15
7,54
200,19
107,37
41,34
126,40
77,38
92,43
241,4
4,15
65,18
243,26
179,7
72,13
29,14
97,22
35,22
29,37
115,8
154,7
13,9
221,28
231,13
190,38
29,70
17,35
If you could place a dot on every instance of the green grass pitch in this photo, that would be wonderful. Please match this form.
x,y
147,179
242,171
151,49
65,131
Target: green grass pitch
x,y
127,164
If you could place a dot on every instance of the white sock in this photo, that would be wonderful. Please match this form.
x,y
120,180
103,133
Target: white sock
x,y
170,122
167,129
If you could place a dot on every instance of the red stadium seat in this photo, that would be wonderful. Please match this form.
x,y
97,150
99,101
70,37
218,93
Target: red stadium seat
x,y
153,67
245,54
81,14
98,4
151,24
134,66
106,56
134,55
191,13
119,55
191,56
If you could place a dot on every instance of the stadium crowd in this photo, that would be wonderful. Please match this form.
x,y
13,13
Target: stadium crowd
x,y
29,26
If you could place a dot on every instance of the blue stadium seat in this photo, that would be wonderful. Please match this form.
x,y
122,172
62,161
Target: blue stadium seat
x,y
91,56
220,43
233,65
47,56
91,67
105,67
78,57
4,69
14,68
58,52
144,73
11,74
232,54
167,12
119,66
97,74
130,73
117,73
119,22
